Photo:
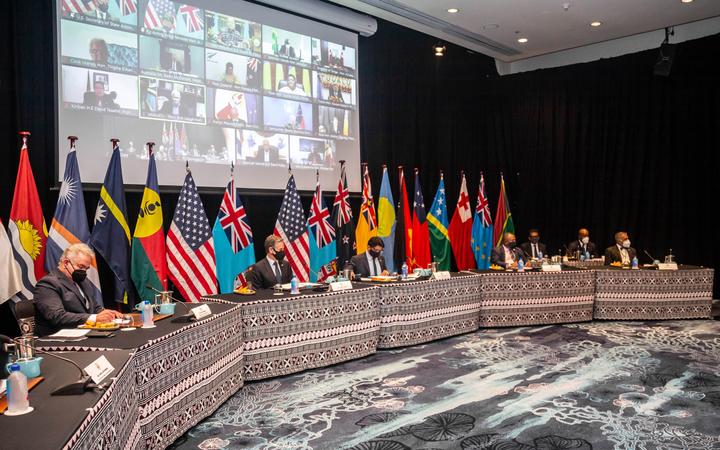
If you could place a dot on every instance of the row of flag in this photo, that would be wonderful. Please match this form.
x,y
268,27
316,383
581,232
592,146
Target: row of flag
x,y
202,260
427,235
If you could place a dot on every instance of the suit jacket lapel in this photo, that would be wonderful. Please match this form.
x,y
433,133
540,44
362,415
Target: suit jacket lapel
x,y
70,285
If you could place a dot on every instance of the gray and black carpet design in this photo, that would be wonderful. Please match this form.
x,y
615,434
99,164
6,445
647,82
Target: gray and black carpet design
x,y
598,385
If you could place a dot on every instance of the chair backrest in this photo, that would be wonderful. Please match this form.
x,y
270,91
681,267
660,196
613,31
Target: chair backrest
x,y
25,316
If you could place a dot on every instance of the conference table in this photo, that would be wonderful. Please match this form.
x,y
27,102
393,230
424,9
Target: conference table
x,y
180,372
170,377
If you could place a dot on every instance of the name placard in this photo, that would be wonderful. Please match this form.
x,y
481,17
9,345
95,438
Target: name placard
x,y
551,268
99,369
201,311
441,275
341,286
667,266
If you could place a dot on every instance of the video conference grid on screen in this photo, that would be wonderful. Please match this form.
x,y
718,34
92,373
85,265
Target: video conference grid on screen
x,y
207,87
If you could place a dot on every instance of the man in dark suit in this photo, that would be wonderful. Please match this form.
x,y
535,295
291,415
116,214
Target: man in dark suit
x,y
372,262
63,297
273,269
582,245
267,153
620,252
98,97
533,248
507,254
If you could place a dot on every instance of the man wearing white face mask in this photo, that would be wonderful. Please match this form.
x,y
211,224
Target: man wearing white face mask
x,y
620,252
582,245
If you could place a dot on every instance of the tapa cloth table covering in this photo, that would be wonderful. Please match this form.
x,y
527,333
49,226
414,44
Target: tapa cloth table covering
x,y
423,311
534,298
184,376
285,335
623,294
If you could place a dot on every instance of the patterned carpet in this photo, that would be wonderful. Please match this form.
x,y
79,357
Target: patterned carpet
x,y
600,385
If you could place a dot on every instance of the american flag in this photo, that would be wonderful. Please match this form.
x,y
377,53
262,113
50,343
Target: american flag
x,y
290,226
190,254
78,6
319,220
483,206
191,16
127,7
156,10
234,219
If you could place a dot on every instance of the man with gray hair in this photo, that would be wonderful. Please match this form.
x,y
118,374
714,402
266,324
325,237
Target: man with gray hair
x,y
274,268
63,297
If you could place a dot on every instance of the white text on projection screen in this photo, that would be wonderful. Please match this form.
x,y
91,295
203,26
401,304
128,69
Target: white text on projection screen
x,y
212,83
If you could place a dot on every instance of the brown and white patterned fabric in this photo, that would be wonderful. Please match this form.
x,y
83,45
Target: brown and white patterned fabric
x,y
184,376
113,422
654,294
287,335
532,298
423,311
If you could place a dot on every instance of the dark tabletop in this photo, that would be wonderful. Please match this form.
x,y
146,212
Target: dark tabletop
x,y
55,418
135,338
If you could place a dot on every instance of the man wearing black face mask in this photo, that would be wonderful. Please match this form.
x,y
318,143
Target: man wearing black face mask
x,y
272,269
63,297
507,254
533,248
372,262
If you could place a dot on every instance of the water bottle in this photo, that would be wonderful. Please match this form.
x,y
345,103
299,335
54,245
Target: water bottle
x,y
521,265
147,315
635,263
587,256
17,392
539,256
294,288
582,257
404,271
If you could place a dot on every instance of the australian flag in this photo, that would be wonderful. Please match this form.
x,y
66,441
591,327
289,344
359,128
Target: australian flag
x,y
342,220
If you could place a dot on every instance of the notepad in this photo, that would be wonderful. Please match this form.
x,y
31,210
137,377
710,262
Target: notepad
x,y
70,333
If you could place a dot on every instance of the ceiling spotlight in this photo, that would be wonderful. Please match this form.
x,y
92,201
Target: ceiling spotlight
x,y
439,49
522,40
453,10
686,1
597,23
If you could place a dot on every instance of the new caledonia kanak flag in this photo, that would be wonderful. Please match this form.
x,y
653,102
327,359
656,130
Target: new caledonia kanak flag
x,y
110,235
69,225
148,266
28,232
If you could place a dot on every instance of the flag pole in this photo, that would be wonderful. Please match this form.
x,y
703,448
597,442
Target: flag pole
x,y
24,135
150,146
72,140
114,143
187,166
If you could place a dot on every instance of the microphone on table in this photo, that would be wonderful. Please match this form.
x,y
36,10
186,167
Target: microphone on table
x,y
84,383
654,261
189,317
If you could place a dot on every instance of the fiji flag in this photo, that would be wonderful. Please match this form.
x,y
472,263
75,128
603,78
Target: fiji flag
x,y
322,238
482,229
111,234
232,239
69,226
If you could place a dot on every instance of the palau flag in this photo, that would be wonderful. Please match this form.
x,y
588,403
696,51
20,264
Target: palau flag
x,y
386,221
367,220
148,266
28,232
482,229
437,219
321,236
232,239
111,235
70,226
503,217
